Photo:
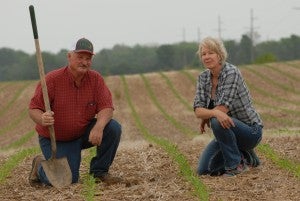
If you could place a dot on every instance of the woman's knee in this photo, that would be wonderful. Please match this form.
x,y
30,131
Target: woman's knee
x,y
214,123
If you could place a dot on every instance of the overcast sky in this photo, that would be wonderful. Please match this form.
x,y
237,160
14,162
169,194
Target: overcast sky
x,y
109,22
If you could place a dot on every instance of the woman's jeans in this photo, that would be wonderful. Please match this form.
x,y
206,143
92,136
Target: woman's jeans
x,y
72,150
225,151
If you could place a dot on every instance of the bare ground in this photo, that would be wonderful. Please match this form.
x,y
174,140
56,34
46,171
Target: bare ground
x,y
149,172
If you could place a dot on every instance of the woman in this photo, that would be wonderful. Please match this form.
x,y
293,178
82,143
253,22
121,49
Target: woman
x,y
223,103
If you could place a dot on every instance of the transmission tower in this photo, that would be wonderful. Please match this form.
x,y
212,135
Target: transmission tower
x,y
252,35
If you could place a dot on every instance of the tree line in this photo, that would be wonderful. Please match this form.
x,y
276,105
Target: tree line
x,y
122,59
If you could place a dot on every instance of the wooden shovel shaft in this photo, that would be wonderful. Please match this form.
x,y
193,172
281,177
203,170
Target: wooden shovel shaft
x,y
42,78
57,171
45,94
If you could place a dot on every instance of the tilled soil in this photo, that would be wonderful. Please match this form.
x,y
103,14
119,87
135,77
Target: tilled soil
x,y
288,146
148,172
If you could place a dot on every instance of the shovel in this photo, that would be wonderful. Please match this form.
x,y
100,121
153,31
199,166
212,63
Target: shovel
x,y
57,170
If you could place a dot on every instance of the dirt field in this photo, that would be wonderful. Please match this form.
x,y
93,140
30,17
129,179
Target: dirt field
x,y
149,171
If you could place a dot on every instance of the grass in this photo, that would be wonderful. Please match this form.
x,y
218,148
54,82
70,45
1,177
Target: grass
x,y
279,120
12,101
282,72
296,66
13,123
189,76
3,85
16,144
171,149
271,81
282,162
175,92
273,96
284,131
187,131
14,160
295,113
89,184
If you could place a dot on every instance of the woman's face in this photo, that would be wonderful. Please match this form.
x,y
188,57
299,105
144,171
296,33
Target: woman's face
x,y
209,58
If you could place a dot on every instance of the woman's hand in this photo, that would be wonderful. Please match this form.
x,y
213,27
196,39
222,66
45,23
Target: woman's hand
x,y
202,125
225,120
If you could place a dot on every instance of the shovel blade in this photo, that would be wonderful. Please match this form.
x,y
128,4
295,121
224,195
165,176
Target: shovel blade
x,y
58,172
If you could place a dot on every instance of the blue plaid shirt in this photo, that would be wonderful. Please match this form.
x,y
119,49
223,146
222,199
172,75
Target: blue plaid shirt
x,y
231,92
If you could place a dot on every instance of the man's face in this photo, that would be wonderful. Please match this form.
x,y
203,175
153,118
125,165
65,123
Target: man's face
x,y
80,62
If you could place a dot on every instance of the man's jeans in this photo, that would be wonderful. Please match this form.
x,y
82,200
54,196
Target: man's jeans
x,y
224,152
72,150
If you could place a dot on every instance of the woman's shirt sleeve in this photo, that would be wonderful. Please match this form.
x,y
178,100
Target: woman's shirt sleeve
x,y
201,91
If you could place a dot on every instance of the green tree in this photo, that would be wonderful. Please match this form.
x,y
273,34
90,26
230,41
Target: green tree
x,y
122,59
232,48
265,58
165,57
290,47
12,64
243,55
185,55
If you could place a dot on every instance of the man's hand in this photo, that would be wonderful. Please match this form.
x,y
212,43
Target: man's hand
x,y
95,137
47,118
96,134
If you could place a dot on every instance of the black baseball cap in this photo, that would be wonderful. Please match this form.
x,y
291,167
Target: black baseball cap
x,y
84,45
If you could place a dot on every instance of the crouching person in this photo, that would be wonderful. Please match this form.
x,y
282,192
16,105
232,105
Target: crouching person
x,y
82,116
223,103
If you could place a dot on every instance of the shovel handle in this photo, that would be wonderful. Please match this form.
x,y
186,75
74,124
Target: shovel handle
x,y
42,77
33,22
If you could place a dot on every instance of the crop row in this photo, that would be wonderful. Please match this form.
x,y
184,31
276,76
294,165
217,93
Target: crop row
x,y
170,148
188,173
266,149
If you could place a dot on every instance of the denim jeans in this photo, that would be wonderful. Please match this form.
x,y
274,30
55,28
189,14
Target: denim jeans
x,y
72,150
225,150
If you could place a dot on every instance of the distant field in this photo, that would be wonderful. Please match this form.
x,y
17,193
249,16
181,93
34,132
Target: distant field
x,y
160,146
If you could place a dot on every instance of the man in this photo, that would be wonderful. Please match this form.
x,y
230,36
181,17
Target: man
x,y
81,113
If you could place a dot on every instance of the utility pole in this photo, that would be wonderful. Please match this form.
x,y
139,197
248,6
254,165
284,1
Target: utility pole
x,y
198,34
184,53
183,34
219,27
252,35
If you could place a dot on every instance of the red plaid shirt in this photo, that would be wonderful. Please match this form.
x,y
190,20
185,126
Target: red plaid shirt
x,y
73,106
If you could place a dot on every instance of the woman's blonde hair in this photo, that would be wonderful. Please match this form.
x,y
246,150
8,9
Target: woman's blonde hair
x,y
215,45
